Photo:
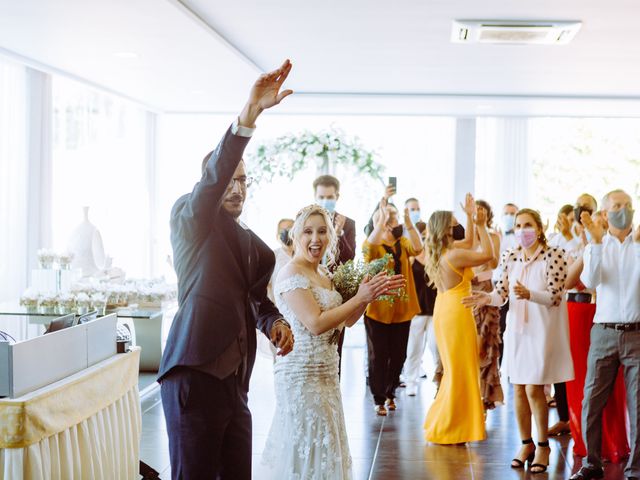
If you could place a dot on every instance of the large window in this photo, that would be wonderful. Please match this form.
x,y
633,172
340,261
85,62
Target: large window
x,y
100,161
13,180
571,156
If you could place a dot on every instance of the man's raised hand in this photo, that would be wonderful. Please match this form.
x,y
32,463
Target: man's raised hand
x,y
264,94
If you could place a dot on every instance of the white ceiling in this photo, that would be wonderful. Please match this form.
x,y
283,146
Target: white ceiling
x,y
349,57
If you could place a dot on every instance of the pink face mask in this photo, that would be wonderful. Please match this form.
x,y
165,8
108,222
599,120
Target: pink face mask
x,y
526,237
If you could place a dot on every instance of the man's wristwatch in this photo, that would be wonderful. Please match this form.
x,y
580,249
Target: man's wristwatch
x,y
283,322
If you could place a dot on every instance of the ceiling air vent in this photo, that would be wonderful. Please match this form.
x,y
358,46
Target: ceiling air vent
x,y
514,32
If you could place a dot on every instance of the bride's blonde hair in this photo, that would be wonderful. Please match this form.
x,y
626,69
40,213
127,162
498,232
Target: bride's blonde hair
x,y
298,227
438,239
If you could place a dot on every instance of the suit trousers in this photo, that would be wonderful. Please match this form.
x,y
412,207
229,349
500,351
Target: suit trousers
x,y
209,425
387,351
609,349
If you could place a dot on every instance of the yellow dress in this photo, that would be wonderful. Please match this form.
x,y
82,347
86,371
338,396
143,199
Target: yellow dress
x,y
457,414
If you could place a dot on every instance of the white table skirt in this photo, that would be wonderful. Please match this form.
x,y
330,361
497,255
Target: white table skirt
x,y
104,446
87,426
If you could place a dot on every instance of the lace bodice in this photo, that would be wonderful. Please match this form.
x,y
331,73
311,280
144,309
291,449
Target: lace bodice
x,y
314,348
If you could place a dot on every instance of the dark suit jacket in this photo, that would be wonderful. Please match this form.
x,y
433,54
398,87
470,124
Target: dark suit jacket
x,y
347,242
223,270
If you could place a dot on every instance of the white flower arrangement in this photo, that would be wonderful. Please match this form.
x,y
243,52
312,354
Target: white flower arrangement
x,y
289,154
46,258
29,299
48,303
67,302
65,259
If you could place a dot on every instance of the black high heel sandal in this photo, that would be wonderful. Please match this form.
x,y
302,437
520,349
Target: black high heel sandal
x,y
517,463
540,468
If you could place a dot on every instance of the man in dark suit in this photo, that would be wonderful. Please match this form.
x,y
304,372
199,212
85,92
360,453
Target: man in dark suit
x,y
223,270
326,189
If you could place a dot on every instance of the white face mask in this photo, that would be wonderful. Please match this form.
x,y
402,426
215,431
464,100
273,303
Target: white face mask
x,y
508,222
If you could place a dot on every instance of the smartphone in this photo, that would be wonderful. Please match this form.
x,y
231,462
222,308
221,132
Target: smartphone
x,y
393,181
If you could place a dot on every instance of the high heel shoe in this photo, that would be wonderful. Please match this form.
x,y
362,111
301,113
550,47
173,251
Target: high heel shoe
x,y
540,467
517,463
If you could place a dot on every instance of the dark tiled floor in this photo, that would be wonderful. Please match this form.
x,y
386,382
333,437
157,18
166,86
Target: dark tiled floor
x,y
386,448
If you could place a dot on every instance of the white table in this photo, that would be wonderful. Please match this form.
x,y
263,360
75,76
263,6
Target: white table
x,y
86,426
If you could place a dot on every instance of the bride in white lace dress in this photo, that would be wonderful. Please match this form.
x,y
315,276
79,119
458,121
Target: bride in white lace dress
x,y
308,439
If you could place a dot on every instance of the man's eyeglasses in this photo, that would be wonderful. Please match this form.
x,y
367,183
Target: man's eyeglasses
x,y
245,182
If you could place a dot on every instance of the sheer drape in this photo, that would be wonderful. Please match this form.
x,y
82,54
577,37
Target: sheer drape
x,y
503,173
13,181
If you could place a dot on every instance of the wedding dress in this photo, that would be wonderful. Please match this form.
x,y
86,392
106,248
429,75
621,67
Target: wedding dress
x,y
308,439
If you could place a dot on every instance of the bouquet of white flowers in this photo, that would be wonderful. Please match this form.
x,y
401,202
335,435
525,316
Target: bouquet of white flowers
x,y
348,276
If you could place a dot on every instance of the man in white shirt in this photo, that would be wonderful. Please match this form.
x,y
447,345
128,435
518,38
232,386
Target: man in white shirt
x,y
612,267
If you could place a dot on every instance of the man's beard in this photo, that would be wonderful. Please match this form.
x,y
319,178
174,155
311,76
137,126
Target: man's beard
x,y
233,205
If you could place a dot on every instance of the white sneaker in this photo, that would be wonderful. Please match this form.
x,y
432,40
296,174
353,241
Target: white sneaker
x,y
412,389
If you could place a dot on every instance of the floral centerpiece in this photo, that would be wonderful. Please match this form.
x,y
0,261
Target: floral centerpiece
x,y
64,260
83,302
289,154
48,303
46,258
348,276
67,302
29,299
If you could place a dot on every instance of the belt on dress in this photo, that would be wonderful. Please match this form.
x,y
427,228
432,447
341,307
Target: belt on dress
x,y
625,327
579,297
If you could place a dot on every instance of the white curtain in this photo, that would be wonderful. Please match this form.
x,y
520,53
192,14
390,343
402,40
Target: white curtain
x,y
13,180
502,162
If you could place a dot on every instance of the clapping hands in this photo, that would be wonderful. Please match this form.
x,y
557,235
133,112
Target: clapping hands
x,y
595,229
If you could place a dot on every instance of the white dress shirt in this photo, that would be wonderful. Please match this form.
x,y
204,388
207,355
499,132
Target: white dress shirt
x,y
613,269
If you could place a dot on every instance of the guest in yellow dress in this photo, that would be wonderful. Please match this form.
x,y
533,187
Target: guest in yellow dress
x,y
457,413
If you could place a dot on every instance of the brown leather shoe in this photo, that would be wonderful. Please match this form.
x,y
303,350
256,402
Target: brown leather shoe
x,y
560,428
380,410
391,404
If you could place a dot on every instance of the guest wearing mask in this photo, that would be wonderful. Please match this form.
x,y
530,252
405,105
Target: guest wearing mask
x,y
507,236
456,415
581,311
536,339
413,205
387,324
421,332
326,190
612,267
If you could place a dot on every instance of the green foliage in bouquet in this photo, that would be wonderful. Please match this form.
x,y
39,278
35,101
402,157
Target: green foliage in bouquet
x,y
348,276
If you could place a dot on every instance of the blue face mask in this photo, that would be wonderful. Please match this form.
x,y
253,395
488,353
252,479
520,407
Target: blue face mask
x,y
508,222
620,219
329,204
588,235
414,215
